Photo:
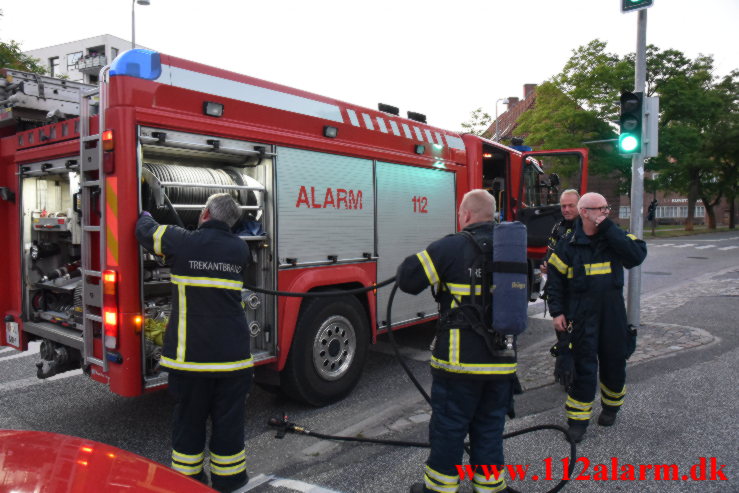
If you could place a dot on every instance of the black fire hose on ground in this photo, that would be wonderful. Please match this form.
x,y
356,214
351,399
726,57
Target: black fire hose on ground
x,y
284,426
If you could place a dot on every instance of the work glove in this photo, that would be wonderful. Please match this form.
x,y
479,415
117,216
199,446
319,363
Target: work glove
x,y
564,366
630,341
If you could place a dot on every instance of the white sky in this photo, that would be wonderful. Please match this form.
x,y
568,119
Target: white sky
x,y
440,58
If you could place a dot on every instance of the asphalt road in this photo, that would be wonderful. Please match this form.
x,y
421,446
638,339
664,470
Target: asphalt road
x,y
680,406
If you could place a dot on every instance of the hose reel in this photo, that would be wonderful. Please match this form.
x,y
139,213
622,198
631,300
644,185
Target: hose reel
x,y
181,203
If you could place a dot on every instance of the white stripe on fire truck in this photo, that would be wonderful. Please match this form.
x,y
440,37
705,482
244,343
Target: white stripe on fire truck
x,y
395,128
454,142
428,135
381,123
353,117
368,121
407,131
241,91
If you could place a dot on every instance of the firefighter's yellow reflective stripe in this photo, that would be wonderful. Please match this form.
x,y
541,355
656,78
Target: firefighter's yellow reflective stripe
x,y
454,346
577,404
227,471
493,481
207,282
611,393
474,368
579,416
436,481
596,269
612,403
190,366
428,268
188,459
158,239
188,470
431,485
441,478
463,289
629,235
181,323
228,459
558,264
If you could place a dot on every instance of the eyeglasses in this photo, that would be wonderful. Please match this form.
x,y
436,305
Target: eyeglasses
x,y
604,209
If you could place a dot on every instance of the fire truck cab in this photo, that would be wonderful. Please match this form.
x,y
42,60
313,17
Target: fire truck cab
x,y
334,197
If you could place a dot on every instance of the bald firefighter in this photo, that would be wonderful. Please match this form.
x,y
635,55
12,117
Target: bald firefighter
x,y
585,294
473,375
206,345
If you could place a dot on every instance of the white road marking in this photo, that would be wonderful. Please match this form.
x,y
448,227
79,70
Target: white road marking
x,y
33,348
292,484
33,381
705,246
685,245
729,247
666,244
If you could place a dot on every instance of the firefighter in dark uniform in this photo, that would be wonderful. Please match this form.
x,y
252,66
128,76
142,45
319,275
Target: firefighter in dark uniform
x,y
206,345
585,289
568,205
472,388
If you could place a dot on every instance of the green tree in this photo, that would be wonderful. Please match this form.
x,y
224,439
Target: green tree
x,y
478,123
557,121
693,109
11,56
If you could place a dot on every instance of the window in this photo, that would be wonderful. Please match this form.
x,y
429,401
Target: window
x,y
113,53
624,212
72,60
54,66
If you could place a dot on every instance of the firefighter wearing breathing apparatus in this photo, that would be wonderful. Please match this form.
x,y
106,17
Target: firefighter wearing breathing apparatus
x,y
585,291
206,345
473,367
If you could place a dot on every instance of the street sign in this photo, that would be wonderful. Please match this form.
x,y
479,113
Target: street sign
x,y
629,5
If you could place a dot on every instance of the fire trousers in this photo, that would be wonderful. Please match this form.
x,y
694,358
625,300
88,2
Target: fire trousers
x,y
599,341
223,400
460,407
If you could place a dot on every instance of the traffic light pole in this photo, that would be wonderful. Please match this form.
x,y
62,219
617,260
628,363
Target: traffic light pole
x,y
636,226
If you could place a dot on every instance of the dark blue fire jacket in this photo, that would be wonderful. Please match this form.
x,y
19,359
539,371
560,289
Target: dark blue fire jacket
x,y
207,331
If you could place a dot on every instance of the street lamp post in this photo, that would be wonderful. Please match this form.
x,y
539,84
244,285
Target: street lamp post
x,y
133,19
505,101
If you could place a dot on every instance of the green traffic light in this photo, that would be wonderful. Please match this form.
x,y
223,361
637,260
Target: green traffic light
x,y
628,143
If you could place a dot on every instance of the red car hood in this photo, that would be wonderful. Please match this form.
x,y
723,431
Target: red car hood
x,y
41,462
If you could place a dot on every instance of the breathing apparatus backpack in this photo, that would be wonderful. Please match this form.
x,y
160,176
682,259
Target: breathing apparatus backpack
x,y
504,259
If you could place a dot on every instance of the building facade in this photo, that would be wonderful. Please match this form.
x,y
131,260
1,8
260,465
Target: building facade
x,y
80,61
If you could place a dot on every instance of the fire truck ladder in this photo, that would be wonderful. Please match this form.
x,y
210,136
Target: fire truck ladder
x,y
92,184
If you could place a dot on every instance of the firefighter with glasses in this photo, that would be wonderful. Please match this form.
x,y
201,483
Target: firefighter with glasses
x,y
206,345
585,291
472,388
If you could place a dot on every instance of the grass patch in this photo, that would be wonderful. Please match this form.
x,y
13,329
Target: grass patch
x,y
670,233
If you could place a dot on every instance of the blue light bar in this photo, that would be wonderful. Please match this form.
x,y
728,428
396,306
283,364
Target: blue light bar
x,y
144,64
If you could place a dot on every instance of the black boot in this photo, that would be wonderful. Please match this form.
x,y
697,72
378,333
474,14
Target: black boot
x,y
606,418
228,485
577,432
418,488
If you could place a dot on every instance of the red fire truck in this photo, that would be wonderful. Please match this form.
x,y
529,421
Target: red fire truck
x,y
334,197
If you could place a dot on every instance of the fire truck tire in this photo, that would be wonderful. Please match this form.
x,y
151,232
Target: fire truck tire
x,y
328,350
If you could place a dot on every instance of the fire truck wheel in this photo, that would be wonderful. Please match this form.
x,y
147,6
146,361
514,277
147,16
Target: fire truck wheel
x,y
328,350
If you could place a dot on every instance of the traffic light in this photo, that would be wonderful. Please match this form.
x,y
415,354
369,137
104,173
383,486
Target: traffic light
x,y
630,123
629,5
